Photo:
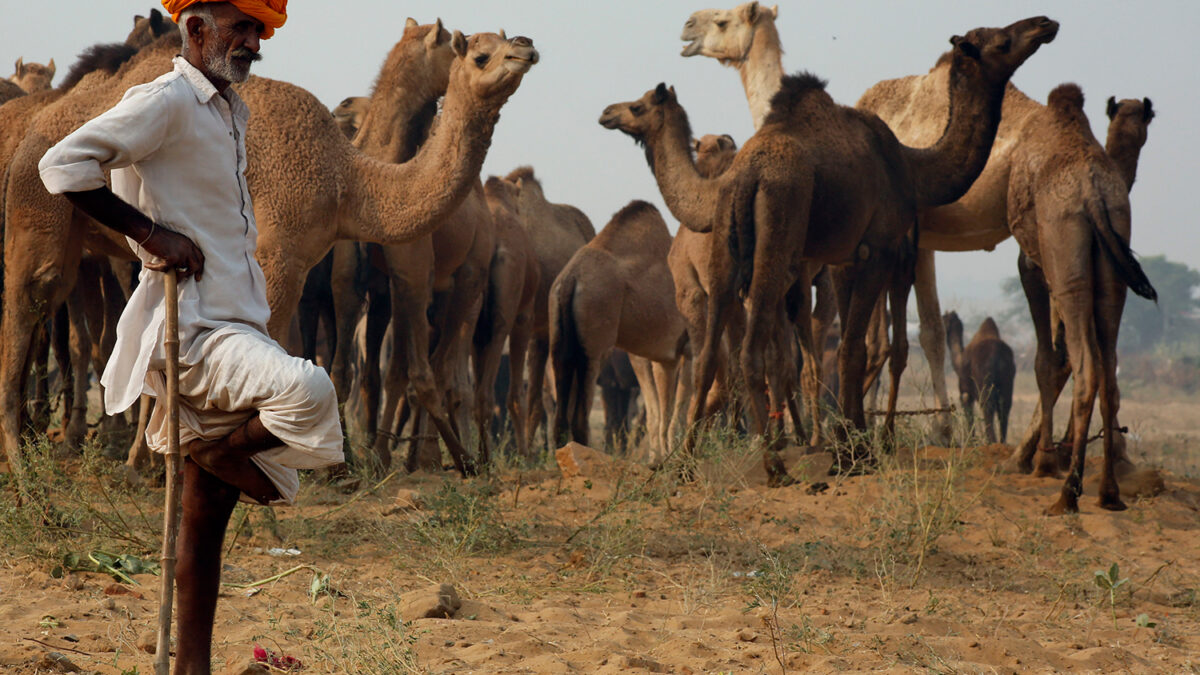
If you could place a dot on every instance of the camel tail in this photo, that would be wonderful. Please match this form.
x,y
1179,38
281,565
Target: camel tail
x,y
566,354
1117,250
742,237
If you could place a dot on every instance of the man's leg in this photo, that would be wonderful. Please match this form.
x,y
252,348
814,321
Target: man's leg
x,y
229,459
207,505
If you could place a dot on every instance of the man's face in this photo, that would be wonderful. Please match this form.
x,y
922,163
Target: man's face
x,y
229,51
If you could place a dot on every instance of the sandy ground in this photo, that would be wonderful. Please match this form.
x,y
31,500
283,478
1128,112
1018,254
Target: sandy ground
x,y
933,562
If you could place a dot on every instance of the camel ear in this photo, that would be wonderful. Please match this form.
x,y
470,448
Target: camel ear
x,y
137,18
726,142
156,21
459,44
661,93
750,12
52,68
1111,110
695,145
435,36
774,11
410,23
966,46
20,66
503,35
1147,110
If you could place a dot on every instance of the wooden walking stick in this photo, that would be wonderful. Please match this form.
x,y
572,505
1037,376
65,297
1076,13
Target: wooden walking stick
x,y
162,652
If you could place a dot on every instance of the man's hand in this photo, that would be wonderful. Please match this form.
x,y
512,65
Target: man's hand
x,y
176,251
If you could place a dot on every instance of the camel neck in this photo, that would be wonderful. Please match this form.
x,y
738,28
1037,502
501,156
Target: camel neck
x,y
669,154
396,203
1124,149
944,172
396,123
762,70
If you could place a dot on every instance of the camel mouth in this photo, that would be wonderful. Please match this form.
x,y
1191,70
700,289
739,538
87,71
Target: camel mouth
x,y
1048,33
610,121
692,48
521,62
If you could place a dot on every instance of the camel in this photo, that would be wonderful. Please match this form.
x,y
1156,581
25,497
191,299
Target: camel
x,y
1069,211
557,232
616,292
689,262
513,282
1129,119
618,392
747,39
310,188
33,77
986,370
862,218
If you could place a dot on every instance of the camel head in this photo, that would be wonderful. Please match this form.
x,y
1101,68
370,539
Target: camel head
x,y
714,154
425,51
643,118
1129,118
147,29
33,77
491,64
349,114
725,34
954,329
1000,51
504,192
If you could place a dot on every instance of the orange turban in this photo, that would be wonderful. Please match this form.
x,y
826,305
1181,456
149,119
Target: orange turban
x,y
272,13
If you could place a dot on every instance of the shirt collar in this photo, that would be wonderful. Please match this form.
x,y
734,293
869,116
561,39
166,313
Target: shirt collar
x,y
205,91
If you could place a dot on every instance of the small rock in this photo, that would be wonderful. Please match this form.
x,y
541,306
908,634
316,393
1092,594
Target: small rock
x,y
910,619
57,663
148,641
643,663
74,582
639,594
817,488
440,602
747,635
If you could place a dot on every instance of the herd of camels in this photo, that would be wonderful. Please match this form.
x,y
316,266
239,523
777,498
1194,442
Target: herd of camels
x,y
378,211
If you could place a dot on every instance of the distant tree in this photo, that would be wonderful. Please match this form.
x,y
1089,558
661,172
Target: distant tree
x,y
1145,326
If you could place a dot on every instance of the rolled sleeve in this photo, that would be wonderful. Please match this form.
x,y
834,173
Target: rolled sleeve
x,y
127,133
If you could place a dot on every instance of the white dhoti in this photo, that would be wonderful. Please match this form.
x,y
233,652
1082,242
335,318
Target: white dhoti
x,y
243,373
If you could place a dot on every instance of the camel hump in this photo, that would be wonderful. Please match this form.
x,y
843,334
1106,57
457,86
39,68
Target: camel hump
x,y
522,173
637,230
1066,102
988,329
107,57
793,90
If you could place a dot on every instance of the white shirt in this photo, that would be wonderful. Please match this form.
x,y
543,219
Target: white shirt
x,y
176,149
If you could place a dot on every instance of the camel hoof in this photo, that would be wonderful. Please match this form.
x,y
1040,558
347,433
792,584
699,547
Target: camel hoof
x,y
1063,505
1112,503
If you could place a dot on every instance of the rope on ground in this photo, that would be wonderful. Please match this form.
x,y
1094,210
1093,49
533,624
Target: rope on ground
x,y
922,411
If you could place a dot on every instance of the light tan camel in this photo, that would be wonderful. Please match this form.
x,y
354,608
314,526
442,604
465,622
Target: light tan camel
x,y
310,188
557,232
691,269
513,282
33,77
861,219
616,292
986,370
746,38
1069,207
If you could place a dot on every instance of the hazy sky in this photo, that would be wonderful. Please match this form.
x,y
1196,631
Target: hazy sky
x,y
597,53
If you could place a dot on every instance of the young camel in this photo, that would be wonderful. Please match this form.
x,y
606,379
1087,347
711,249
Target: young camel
x,y
1129,121
986,370
616,292
1069,207
310,188
861,219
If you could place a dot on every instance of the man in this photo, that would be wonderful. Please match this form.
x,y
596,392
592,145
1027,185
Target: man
x,y
250,415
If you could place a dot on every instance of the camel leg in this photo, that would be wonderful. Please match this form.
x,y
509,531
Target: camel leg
x,y
139,453
643,370
518,347
720,302
535,411
824,312
409,345
1051,369
1083,350
933,338
860,289
898,356
310,309
347,304
75,427
877,349
1109,306
664,384
113,300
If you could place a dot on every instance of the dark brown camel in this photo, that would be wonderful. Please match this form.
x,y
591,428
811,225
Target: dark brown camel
x,y
986,370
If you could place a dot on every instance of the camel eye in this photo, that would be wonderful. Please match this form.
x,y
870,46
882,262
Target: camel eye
x,y
482,59
1005,46
722,24
636,109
